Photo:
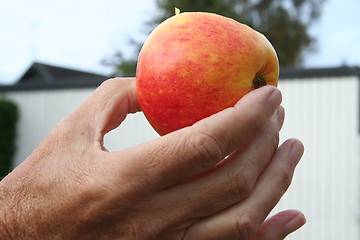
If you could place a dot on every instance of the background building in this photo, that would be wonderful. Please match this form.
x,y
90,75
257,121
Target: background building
x,y
322,109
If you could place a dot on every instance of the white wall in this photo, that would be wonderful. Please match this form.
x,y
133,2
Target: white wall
x,y
323,113
40,111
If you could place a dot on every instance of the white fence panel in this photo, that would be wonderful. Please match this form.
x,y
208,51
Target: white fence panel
x,y
323,113
40,111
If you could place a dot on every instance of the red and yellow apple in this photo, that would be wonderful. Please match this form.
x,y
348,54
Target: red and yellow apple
x,y
196,64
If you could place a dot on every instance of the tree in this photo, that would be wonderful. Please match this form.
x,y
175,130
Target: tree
x,y
284,22
8,117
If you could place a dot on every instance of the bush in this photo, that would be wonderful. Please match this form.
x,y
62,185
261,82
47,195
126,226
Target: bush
x,y
8,117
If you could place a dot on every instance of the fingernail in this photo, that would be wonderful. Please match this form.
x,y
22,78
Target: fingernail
x,y
296,151
297,222
273,100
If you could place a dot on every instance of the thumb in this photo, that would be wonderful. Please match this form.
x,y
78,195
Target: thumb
x,y
108,106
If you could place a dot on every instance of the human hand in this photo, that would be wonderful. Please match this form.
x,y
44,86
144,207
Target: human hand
x,y
217,179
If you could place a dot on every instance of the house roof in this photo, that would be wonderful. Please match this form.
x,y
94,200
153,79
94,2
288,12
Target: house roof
x,y
42,76
312,73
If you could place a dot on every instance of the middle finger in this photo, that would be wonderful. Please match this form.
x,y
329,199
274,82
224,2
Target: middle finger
x,y
231,180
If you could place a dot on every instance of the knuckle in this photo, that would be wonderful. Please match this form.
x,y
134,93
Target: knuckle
x,y
107,82
241,185
285,178
256,121
206,148
274,131
275,139
245,226
152,159
272,142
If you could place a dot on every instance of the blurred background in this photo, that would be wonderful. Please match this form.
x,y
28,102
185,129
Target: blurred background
x,y
53,54
85,34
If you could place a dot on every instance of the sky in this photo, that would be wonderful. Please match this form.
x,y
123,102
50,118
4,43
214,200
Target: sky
x,y
80,34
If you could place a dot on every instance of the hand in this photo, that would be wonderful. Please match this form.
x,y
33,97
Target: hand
x,y
217,179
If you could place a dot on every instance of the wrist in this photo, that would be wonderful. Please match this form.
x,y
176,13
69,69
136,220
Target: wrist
x,y
6,226
9,213
5,231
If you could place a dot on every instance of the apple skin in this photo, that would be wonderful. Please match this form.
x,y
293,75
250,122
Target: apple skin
x,y
196,64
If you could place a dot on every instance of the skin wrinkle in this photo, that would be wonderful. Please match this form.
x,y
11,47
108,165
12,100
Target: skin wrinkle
x,y
206,147
246,225
252,131
243,184
151,164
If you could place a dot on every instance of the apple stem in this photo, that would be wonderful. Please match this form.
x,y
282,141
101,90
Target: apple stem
x,y
177,11
258,81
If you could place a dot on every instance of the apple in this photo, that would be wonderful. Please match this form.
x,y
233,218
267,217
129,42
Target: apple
x,y
196,64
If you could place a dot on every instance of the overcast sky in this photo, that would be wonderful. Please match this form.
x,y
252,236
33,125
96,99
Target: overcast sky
x,y
79,34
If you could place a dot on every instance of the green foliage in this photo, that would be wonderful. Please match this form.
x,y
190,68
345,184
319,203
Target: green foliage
x,y
122,66
284,22
8,118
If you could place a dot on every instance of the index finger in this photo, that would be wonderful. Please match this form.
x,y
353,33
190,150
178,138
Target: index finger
x,y
190,151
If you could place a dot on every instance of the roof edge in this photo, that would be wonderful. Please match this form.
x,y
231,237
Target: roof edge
x,y
285,74
51,86
299,73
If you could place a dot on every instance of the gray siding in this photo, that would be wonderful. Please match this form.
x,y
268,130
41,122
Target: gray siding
x,y
323,113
